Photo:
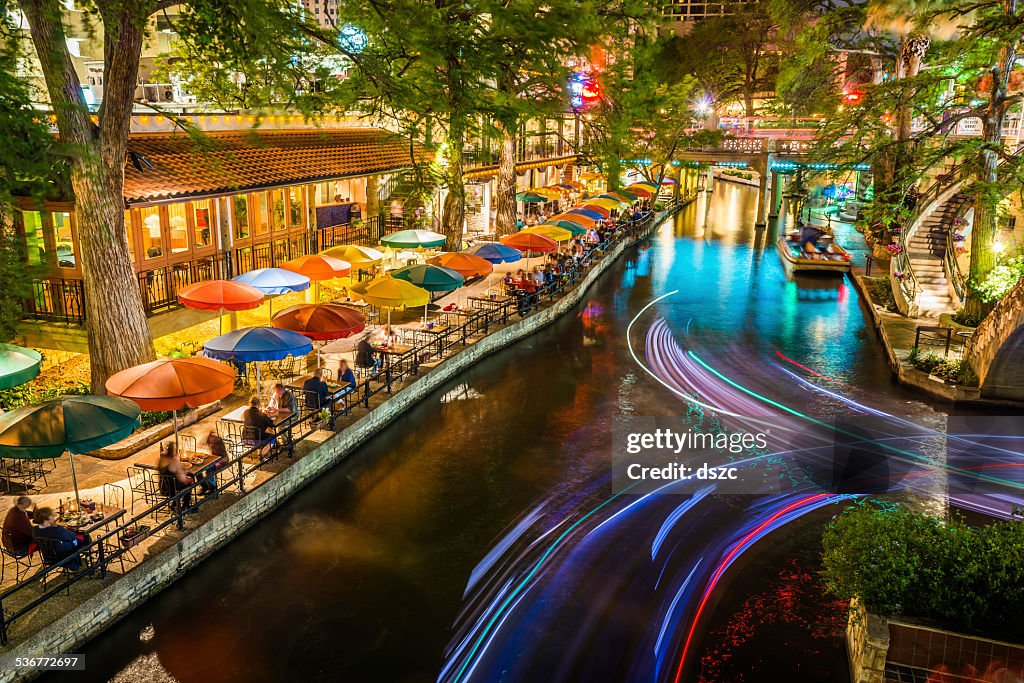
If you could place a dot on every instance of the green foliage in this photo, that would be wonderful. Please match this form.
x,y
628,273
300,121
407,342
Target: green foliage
x,y
40,390
880,291
966,318
1000,280
953,369
904,563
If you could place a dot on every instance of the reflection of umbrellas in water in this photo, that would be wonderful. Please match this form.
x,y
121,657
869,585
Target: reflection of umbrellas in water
x,y
72,424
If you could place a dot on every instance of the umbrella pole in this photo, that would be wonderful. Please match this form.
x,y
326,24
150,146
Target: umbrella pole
x,y
176,446
425,312
258,383
74,480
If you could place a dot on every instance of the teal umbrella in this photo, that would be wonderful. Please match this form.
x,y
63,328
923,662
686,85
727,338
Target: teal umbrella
x,y
413,239
17,365
430,277
532,198
76,424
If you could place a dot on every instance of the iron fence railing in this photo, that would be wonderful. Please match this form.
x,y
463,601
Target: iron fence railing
x,y
56,300
159,286
115,545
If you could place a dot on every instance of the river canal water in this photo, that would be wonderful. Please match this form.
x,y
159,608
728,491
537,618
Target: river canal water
x,y
477,539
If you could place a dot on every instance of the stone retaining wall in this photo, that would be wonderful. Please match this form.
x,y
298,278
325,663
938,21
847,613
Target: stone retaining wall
x,y
92,616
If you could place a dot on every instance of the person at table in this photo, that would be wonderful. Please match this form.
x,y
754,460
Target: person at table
x,y
217,448
366,358
17,530
318,394
173,477
56,542
346,378
281,400
259,427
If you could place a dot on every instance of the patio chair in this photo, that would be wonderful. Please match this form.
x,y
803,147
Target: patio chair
x,y
50,553
187,442
143,486
22,561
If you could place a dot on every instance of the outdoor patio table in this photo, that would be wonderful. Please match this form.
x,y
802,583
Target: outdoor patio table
x,y
87,525
238,415
333,387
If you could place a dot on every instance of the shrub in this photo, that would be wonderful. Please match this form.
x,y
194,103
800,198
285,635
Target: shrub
x,y
904,563
1000,279
962,317
880,291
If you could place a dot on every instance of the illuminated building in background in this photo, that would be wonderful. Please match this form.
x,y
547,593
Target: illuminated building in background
x,y
324,11
679,15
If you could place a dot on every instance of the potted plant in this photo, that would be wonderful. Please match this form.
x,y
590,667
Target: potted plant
x,y
134,535
323,418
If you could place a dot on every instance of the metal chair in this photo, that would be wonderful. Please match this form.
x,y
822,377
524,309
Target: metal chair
x,y
187,442
22,561
144,486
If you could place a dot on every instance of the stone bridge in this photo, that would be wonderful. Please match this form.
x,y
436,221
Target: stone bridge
x,y
996,350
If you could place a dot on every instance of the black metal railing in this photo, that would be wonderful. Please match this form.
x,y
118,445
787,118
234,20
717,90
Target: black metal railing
x,y
114,545
160,286
56,300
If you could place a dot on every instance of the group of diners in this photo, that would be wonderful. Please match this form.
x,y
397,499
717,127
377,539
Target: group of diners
x,y
55,542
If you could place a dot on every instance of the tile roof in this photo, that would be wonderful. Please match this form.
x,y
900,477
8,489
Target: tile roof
x,y
216,163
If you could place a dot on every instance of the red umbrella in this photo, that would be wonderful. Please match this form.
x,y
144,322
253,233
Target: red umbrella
x,y
220,295
320,321
599,209
318,267
524,241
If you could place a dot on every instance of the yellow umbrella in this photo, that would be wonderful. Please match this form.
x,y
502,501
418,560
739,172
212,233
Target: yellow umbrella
x,y
552,231
359,256
653,189
391,293
591,175
546,192
605,203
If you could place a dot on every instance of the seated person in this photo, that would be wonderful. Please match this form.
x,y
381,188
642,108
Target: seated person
x,y
366,358
259,425
318,394
215,445
385,335
173,477
281,400
17,530
346,378
56,542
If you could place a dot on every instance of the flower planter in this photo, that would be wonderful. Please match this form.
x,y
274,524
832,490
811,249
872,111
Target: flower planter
x,y
141,534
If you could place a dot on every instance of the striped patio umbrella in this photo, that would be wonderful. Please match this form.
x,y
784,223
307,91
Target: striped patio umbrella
x,y
597,208
589,213
605,203
551,231
649,187
574,218
621,197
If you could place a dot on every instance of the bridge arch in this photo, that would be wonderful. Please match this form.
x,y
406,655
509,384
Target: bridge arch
x,y
996,351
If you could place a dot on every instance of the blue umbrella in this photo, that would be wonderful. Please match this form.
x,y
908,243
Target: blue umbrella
x,y
274,280
497,253
588,213
257,343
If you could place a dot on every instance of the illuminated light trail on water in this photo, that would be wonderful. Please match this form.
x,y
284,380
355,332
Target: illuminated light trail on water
x,y
554,549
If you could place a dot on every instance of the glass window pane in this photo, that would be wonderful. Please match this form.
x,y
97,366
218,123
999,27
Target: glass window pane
x,y
241,207
34,243
63,239
152,245
295,207
202,222
277,209
178,228
262,220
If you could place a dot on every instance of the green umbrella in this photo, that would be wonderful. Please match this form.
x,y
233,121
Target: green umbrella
x,y
17,365
575,228
76,424
413,239
431,278
532,198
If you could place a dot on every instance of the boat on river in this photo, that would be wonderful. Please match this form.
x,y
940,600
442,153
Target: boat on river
x,y
820,256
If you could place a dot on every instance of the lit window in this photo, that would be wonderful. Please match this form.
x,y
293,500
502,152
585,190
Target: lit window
x,y
178,224
152,244
241,217
202,223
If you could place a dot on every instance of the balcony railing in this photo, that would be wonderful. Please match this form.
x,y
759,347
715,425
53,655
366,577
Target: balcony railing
x,y
56,300
160,286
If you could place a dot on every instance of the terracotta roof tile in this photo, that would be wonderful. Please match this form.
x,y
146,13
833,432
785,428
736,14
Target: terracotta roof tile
x,y
215,163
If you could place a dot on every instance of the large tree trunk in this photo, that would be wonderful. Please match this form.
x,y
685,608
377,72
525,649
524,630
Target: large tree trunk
x,y
505,201
118,334
453,217
986,214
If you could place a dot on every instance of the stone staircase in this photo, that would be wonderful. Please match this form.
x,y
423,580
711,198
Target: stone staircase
x,y
926,250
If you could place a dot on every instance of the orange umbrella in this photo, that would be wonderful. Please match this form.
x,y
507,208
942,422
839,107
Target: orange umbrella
x,y
578,219
173,384
525,241
318,267
595,207
466,265
320,321
220,295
